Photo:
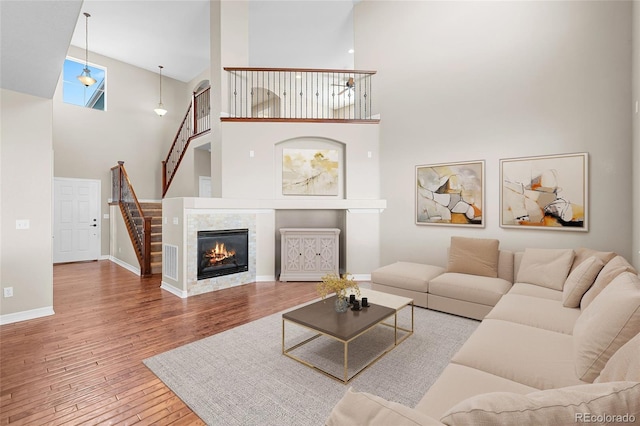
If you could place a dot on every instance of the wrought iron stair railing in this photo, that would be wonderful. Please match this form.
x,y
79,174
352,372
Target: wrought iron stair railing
x,y
138,226
196,122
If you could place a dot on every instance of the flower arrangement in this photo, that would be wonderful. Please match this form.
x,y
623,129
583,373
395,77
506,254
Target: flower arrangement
x,y
332,283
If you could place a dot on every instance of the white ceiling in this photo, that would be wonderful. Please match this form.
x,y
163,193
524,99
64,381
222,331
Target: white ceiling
x,y
35,36
148,33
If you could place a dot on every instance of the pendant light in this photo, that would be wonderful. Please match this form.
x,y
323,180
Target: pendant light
x,y
85,77
160,110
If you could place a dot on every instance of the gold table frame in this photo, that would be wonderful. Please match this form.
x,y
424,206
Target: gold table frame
x,y
346,379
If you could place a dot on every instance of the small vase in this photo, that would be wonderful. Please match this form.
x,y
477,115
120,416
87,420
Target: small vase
x,y
341,304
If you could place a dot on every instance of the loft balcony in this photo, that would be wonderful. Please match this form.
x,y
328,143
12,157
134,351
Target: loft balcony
x,y
299,95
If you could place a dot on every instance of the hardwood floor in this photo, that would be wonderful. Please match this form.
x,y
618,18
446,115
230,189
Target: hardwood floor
x,y
83,365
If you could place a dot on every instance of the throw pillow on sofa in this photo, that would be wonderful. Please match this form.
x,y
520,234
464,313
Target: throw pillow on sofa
x,y
608,323
579,281
474,256
624,364
612,269
561,406
545,267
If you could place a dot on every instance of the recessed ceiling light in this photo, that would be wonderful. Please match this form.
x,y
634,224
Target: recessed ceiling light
x,y
351,50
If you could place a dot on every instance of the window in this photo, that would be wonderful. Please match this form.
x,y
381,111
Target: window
x,y
76,93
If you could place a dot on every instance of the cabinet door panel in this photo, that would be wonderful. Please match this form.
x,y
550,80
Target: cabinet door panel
x,y
293,261
327,254
309,253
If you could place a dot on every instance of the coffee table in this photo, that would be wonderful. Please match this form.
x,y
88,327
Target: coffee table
x,y
321,318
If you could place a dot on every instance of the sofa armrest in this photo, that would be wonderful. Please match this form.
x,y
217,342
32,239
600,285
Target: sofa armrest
x,y
361,408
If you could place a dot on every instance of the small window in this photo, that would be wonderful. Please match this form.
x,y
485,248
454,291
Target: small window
x,y
76,93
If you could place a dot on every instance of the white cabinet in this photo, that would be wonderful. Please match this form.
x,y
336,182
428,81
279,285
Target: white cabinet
x,y
307,254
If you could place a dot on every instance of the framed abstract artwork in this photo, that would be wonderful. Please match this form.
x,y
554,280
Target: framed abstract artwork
x,y
310,171
450,194
546,192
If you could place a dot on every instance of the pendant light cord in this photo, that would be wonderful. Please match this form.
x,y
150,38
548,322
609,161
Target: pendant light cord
x,y
86,40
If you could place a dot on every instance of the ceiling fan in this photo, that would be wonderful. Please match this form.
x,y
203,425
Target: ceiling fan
x,y
348,85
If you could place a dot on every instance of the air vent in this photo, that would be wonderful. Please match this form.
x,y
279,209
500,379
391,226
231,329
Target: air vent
x,y
170,261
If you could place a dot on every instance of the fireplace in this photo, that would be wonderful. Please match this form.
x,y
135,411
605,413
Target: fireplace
x,y
222,252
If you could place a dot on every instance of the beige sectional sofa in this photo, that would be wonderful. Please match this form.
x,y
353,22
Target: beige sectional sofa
x,y
464,288
562,346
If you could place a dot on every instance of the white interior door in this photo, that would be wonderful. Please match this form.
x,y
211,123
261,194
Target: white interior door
x,y
76,220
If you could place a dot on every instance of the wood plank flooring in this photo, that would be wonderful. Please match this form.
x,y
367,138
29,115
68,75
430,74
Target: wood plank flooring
x,y
83,365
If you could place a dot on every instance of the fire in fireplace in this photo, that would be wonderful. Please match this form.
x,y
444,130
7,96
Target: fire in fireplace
x,y
222,252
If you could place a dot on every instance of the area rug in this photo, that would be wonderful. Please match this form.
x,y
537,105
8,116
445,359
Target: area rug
x,y
240,377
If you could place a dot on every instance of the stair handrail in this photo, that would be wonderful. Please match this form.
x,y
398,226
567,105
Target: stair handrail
x,y
124,195
196,122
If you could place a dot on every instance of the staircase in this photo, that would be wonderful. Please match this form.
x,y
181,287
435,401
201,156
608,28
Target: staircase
x,y
154,211
144,225
144,220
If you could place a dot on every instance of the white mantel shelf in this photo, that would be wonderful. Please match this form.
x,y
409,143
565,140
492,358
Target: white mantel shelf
x,y
282,204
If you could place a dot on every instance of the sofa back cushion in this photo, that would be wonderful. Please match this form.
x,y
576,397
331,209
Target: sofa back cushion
x,y
579,281
608,323
562,406
612,269
545,267
505,265
624,364
584,253
474,256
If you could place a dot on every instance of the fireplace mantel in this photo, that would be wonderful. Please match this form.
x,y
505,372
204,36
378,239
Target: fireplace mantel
x,y
283,204
183,217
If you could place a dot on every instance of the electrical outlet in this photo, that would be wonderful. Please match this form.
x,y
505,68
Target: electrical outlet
x,y
8,291
22,224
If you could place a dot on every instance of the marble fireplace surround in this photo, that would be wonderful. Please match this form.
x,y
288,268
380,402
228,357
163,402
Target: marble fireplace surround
x,y
184,217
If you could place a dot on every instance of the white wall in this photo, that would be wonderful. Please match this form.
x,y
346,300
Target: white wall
x,y
26,194
301,34
87,143
489,80
636,134
243,176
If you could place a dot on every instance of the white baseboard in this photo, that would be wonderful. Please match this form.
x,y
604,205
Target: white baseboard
x,y
125,265
26,315
173,290
264,278
104,257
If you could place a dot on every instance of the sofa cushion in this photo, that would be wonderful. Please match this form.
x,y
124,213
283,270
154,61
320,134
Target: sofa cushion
x,y
531,356
612,269
624,364
447,390
535,312
361,408
470,288
545,267
536,291
579,281
584,253
570,405
608,323
407,275
475,256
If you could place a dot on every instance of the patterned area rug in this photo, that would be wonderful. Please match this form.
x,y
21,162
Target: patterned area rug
x,y
240,377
